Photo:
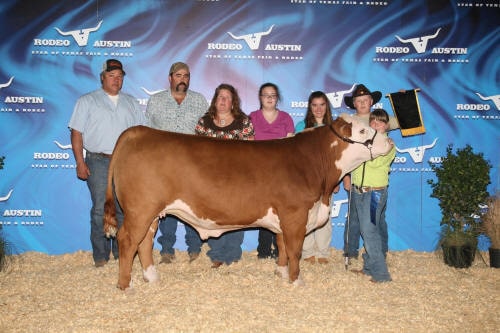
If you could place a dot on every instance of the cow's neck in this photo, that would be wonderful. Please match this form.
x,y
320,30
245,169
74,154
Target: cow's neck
x,y
327,175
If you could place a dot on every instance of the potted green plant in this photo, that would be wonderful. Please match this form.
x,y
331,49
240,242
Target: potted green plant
x,y
460,186
491,227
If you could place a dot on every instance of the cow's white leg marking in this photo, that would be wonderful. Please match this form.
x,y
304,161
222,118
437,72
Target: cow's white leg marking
x,y
282,271
299,282
130,289
150,274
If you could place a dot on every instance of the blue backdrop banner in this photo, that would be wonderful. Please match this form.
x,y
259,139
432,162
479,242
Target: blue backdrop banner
x,y
52,52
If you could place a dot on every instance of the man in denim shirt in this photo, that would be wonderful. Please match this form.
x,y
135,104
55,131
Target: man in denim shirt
x,y
98,119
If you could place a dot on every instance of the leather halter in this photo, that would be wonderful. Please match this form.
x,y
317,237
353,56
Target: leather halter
x,y
368,143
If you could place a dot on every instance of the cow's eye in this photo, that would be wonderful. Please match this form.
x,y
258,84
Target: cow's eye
x,y
363,131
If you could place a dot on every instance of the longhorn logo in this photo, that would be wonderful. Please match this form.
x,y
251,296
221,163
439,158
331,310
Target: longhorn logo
x,y
252,40
419,43
337,204
81,36
5,198
151,92
62,146
495,99
5,85
337,97
417,153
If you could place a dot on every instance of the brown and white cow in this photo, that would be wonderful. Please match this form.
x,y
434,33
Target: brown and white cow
x,y
283,185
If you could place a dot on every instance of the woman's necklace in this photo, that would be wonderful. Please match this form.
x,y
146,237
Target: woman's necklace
x,y
223,121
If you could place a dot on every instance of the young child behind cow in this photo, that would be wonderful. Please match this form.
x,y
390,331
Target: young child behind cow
x,y
369,200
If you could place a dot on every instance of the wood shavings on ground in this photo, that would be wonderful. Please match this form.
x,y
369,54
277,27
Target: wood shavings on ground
x,y
66,293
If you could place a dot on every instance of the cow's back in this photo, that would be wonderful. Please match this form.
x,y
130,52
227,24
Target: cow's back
x,y
159,167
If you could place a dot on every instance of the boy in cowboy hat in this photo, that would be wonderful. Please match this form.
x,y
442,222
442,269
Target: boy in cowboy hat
x,y
362,99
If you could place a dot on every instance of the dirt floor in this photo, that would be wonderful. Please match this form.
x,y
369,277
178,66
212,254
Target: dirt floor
x,y
66,293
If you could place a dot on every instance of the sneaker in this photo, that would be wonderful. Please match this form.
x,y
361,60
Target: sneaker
x,y
100,263
193,256
167,258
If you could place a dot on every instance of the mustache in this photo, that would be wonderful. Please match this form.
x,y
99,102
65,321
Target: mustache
x,y
178,87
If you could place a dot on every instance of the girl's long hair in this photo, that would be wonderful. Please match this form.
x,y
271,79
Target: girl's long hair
x,y
327,118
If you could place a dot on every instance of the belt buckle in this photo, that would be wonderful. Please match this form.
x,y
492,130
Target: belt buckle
x,y
360,189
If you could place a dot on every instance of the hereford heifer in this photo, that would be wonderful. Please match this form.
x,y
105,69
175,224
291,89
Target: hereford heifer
x,y
216,185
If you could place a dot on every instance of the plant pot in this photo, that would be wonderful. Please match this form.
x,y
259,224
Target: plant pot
x,y
459,256
494,257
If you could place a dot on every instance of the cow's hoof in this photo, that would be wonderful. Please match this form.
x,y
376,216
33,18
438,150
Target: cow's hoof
x,y
282,271
150,274
298,283
125,288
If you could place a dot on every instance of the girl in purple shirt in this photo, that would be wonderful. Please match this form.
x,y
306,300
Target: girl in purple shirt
x,y
270,123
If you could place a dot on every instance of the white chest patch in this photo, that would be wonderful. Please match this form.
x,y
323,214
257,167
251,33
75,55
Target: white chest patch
x,y
207,227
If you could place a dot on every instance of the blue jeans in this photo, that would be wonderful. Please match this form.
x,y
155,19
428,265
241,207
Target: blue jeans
x,y
97,183
370,207
352,231
168,228
226,247
266,240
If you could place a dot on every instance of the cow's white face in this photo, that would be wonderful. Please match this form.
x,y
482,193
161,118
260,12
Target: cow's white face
x,y
361,133
357,152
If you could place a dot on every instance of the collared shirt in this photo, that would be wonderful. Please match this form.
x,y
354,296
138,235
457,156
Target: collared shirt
x,y
376,172
163,112
101,121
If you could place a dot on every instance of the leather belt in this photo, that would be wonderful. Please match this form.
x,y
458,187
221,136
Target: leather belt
x,y
100,154
364,189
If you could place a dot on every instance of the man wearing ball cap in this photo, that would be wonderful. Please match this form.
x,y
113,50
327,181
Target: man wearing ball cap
x,y
98,119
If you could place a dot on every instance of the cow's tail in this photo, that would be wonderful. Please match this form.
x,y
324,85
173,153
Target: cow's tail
x,y
110,222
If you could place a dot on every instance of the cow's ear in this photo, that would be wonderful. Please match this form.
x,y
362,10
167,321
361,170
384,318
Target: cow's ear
x,y
346,130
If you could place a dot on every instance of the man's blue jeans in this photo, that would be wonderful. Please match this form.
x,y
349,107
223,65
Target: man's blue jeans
x,y
168,228
97,183
351,231
370,207
227,247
